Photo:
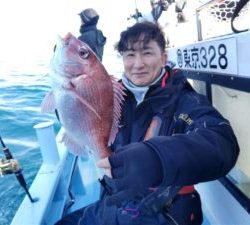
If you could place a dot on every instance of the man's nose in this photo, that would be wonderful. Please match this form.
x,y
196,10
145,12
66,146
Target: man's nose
x,y
139,62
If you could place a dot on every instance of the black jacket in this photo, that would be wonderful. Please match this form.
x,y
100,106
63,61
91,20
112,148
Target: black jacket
x,y
195,144
94,38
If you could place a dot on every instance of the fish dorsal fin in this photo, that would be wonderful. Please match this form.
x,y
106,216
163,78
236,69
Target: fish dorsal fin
x,y
119,94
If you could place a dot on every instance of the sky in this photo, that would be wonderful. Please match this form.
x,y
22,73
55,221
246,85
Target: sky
x,y
31,27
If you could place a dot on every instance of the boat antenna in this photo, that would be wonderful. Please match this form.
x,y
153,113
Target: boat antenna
x,y
9,165
135,4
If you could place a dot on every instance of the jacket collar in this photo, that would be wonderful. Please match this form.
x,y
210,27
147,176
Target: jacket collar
x,y
139,92
85,28
158,98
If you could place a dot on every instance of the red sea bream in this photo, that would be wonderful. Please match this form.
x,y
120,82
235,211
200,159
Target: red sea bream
x,y
87,98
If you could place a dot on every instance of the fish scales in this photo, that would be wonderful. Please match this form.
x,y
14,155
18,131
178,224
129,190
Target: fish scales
x,y
95,128
87,98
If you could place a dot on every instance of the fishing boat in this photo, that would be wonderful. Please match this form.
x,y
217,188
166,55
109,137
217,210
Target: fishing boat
x,y
219,68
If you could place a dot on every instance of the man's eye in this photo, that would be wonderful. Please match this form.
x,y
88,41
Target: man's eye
x,y
130,55
83,53
147,53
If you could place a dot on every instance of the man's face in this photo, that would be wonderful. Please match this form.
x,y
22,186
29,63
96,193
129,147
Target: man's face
x,y
143,63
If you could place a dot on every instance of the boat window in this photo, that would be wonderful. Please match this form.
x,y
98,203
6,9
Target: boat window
x,y
235,106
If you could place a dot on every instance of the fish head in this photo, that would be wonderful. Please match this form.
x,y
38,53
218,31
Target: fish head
x,y
73,57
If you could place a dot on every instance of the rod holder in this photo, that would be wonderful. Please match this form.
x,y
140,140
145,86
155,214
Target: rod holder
x,y
47,141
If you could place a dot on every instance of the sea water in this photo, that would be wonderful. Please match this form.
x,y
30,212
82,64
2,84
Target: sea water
x,y
22,89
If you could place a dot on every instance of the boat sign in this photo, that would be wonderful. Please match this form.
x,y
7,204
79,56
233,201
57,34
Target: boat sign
x,y
217,56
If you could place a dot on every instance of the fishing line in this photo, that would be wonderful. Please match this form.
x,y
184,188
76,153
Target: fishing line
x,y
13,167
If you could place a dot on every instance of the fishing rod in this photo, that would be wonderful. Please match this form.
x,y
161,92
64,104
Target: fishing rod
x,y
9,165
136,15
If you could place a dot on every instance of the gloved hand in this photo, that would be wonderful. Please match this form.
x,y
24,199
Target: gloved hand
x,y
134,168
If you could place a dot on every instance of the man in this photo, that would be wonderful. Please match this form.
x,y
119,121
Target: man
x,y
170,138
89,32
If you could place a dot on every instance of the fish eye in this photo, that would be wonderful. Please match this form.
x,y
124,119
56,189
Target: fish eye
x,y
83,53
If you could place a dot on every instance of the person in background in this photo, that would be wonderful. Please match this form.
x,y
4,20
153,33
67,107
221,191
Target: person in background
x,y
158,7
170,138
179,6
89,32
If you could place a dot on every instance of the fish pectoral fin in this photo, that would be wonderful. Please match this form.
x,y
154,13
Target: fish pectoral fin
x,y
86,103
72,146
48,103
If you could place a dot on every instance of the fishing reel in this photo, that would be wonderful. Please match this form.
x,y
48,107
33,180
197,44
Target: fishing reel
x,y
9,165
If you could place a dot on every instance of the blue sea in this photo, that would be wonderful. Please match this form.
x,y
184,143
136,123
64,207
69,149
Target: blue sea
x,y
21,92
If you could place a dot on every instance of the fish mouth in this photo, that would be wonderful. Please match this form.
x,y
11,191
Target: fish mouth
x,y
64,40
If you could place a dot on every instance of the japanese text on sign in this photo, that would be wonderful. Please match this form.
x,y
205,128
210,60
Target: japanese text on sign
x,y
218,56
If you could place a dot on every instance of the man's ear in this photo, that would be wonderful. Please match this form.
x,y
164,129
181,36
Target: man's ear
x,y
164,59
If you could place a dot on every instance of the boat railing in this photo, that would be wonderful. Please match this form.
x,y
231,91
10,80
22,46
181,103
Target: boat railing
x,y
46,182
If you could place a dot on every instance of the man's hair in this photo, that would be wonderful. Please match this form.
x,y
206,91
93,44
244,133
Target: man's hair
x,y
146,30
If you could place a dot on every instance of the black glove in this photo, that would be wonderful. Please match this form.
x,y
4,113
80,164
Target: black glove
x,y
135,168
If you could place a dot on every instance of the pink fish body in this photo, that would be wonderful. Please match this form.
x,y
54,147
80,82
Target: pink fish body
x,y
87,98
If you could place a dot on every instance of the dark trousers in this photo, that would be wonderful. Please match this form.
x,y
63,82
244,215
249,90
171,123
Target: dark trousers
x,y
184,210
